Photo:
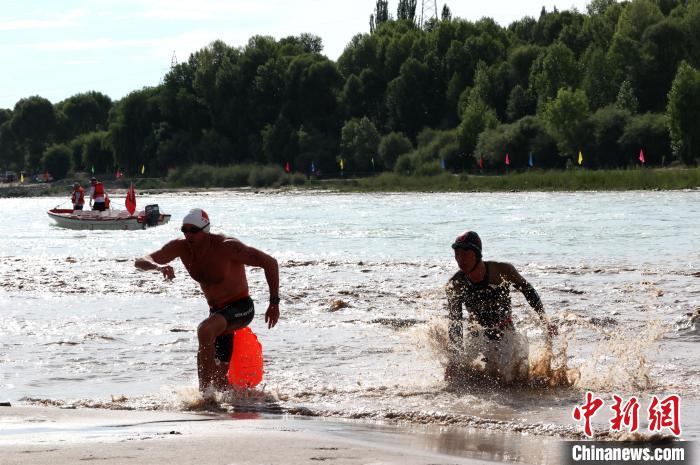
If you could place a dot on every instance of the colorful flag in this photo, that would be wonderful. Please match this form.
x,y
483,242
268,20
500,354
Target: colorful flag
x,y
118,174
143,169
507,160
372,162
530,162
313,167
130,201
580,157
641,156
481,162
21,177
92,169
287,168
342,165
442,164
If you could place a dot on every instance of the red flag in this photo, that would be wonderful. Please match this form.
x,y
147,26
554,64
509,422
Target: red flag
x,y
287,168
481,162
641,156
507,160
118,174
130,201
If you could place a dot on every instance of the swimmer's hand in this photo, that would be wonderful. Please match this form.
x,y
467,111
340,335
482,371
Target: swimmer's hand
x,y
168,272
272,315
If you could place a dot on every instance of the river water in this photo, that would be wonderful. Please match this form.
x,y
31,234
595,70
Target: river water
x,y
619,272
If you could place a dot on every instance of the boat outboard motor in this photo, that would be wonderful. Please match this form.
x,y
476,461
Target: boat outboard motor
x,y
152,213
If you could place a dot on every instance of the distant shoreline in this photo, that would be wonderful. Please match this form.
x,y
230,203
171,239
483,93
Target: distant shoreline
x,y
665,179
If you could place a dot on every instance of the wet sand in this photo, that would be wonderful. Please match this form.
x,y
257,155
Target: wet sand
x,y
41,435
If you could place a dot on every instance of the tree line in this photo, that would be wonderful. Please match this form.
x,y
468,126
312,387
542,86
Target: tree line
x,y
411,95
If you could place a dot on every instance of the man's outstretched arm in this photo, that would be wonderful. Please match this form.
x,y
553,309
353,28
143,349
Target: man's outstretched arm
x,y
533,298
159,260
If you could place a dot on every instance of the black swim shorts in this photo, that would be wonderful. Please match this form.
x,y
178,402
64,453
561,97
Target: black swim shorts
x,y
238,315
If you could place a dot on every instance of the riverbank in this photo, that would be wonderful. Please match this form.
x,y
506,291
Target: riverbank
x,y
535,180
40,435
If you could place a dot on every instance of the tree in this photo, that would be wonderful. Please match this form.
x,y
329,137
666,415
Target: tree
x,y
85,112
565,119
476,118
636,17
131,125
359,141
406,10
684,113
648,132
33,124
606,127
96,153
391,147
57,160
554,69
407,98
626,99
446,14
598,78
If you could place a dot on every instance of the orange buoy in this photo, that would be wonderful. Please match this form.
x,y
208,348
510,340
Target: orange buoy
x,y
246,367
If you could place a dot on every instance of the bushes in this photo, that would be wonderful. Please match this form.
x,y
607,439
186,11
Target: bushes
x,y
57,160
233,176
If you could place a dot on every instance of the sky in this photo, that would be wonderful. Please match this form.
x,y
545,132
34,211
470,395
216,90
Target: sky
x,y
59,48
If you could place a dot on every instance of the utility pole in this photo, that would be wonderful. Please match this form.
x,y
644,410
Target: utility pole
x,y
428,10
173,61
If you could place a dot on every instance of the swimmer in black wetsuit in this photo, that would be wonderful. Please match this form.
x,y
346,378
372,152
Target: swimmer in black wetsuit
x,y
483,288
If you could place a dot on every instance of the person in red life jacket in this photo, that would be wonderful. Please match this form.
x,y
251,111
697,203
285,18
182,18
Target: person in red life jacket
x,y
97,195
483,289
217,262
77,196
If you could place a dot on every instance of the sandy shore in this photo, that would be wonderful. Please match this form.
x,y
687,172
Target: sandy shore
x,y
44,435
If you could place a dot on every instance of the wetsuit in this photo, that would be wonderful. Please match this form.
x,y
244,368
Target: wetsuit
x,y
488,304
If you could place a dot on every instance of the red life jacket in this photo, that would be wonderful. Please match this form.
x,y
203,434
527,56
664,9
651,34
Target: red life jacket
x,y
106,202
78,196
99,189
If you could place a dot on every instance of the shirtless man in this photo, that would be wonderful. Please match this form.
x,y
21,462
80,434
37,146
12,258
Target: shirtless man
x,y
483,288
217,263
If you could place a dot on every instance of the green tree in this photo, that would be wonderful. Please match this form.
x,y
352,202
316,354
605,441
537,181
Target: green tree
x,y
626,99
476,118
359,142
683,115
606,126
85,112
565,119
406,10
33,124
131,128
391,147
648,132
554,69
96,153
636,17
57,160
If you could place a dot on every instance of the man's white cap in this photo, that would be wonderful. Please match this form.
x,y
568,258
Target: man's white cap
x,y
199,218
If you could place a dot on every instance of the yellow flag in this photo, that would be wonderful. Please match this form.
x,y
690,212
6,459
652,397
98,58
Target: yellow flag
x,y
21,177
580,157
342,165
143,168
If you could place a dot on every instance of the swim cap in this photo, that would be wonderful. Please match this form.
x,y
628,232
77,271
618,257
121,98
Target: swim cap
x,y
468,240
197,217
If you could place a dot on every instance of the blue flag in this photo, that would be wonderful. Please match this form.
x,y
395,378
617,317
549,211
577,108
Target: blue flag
x,y
442,163
530,161
313,167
